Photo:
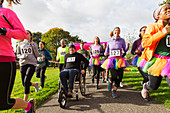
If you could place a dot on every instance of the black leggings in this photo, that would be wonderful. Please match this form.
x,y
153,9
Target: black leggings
x,y
96,70
144,75
7,78
116,75
27,71
154,82
40,73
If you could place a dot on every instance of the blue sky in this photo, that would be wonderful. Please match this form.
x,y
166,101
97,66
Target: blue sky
x,y
87,18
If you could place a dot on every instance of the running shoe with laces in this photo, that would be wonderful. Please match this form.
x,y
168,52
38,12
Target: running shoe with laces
x,y
70,94
121,84
37,87
145,93
32,110
109,86
114,94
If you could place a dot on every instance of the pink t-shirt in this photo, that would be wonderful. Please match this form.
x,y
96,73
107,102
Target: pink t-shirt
x,y
6,49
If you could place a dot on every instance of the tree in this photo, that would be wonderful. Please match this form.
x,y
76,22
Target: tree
x,y
165,2
53,37
37,37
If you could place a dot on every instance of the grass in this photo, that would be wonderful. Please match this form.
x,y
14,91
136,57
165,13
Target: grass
x,y
133,79
50,88
161,95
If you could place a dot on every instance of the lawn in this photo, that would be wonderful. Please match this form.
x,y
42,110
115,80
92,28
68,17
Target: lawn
x,y
162,95
131,78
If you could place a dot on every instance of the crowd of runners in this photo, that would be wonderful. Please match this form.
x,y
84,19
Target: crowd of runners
x,y
152,59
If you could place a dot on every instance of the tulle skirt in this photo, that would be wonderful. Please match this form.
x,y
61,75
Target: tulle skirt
x,y
95,61
158,65
136,60
115,62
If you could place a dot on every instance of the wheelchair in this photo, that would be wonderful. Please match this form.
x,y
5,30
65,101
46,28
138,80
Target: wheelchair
x,y
79,82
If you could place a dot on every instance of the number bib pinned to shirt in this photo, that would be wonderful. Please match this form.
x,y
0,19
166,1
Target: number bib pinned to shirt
x,y
40,59
62,53
114,53
26,51
71,59
168,41
96,52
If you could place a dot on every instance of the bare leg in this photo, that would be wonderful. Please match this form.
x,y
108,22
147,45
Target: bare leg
x,y
20,104
26,97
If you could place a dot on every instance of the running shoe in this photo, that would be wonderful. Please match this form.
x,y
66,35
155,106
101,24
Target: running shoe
x,y
70,94
109,86
37,87
121,84
114,94
145,93
32,110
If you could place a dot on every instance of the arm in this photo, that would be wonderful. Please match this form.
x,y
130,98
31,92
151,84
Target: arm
x,y
35,47
18,32
47,55
86,62
107,49
101,51
58,55
152,36
134,47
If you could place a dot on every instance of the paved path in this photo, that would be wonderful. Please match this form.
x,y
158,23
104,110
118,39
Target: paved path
x,y
101,101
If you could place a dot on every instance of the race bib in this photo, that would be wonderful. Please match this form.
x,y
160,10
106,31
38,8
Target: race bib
x,y
26,50
71,59
114,53
62,53
96,52
168,41
40,59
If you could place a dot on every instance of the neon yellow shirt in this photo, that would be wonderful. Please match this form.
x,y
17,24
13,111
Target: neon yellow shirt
x,y
61,52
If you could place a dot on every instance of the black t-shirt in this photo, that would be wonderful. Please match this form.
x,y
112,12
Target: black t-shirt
x,y
73,61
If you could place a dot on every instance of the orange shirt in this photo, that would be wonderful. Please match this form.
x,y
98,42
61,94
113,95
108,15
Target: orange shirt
x,y
151,39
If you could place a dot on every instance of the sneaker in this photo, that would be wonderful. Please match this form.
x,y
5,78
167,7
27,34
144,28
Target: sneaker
x,y
32,110
114,94
37,87
145,93
109,86
70,94
121,84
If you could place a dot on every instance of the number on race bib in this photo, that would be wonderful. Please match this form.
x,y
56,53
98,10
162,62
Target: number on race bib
x,y
115,53
71,59
40,59
26,51
168,41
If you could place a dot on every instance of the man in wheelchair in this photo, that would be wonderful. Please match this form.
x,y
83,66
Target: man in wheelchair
x,y
71,67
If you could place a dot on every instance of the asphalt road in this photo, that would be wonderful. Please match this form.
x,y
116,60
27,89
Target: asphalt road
x,y
101,101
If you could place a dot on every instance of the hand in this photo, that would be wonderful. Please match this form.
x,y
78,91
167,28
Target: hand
x,y
127,44
105,54
43,56
3,31
166,29
137,51
82,71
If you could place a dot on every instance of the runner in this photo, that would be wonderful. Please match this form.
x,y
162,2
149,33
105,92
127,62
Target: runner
x,y
42,62
115,61
137,50
61,52
156,56
7,59
27,52
96,51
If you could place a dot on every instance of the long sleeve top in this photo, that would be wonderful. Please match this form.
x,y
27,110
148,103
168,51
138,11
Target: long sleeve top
x,y
114,47
27,53
73,61
18,32
96,50
137,46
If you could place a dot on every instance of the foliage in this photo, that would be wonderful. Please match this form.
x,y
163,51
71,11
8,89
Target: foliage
x,y
165,2
37,37
53,37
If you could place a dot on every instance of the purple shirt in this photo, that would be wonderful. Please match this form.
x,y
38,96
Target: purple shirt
x,y
116,44
137,46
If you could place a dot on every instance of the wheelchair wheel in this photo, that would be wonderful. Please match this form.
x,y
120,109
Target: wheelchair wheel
x,y
82,84
62,99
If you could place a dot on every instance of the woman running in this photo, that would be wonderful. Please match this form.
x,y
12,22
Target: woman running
x,y
27,52
96,51
42,62
115,61
156,56
10,27
137,50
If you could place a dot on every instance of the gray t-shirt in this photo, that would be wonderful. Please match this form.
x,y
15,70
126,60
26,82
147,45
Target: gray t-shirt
x,y
27,53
